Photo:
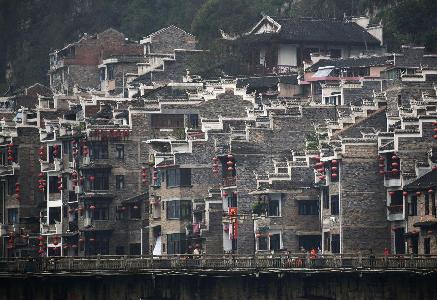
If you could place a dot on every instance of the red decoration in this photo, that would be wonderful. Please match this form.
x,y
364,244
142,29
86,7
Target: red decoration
x,y
334,175
392,193
405,194
92,207
92,178
430,191
334,162
225,194
418,193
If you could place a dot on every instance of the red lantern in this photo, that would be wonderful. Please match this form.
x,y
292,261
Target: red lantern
x,y
317,158
405,194
381,159
40,238
92,178
321,170
319,164
418,193
322,177
334,162
225,194
435,136
123,208
92,207
394,164
392,193
215,159
258,235
430,191
395,157
394,171
230,169
434,123
81,240
230,156
434,168
381,172
333,175
55,242
230,163
334,169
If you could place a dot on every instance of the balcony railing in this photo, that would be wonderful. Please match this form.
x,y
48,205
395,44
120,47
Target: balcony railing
x,y
219,263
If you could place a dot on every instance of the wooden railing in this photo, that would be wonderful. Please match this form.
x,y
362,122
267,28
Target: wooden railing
x,y
219,263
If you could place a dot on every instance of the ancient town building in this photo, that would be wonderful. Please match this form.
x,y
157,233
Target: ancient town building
x,y
135,154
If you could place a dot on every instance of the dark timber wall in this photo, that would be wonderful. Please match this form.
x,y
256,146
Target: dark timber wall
x,y
339,286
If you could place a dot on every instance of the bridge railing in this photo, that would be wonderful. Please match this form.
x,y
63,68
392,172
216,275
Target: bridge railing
x,y
212,262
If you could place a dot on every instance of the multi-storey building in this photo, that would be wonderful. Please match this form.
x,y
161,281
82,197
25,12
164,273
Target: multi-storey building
x,y
149,158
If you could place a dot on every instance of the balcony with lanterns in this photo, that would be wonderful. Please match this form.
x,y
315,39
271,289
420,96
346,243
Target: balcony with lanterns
x,y
224,167
390,168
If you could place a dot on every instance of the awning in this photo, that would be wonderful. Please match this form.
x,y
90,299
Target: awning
x,y
323,72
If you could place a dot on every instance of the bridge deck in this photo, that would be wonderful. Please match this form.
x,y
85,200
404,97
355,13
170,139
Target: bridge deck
x,y
214,264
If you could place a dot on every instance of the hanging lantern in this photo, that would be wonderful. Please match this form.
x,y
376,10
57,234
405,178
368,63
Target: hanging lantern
x,y
418,193
92,207
235,193
230,156
381,159
334,175
230,169
405,194
81,240
334,169
392,193
230,163
225,194
394,171
430,191
40,238
395,157
381,172
92,178
123,208
92,239
55,242
135,206
321,170
215,159
40,251
334,162
434,167
215,171
258,235
319,165
317,158
394,164
434,123
322,177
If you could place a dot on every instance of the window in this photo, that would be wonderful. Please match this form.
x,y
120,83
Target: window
x,y
179,209
176,243
178,177
262,243
12,216
308,207
99,150
12,180
119,250
426,204
274,208
135,213
309,242
102,74
335,205
101,180
426,246
135,249
119,182
110,69
325,198
167,121
101,213
194,120
275,242
119,148
413,205
335,243
53,184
